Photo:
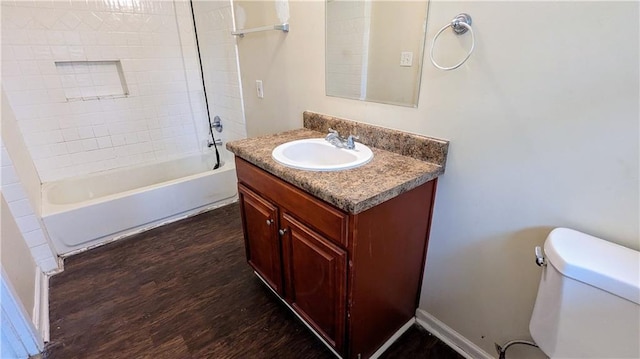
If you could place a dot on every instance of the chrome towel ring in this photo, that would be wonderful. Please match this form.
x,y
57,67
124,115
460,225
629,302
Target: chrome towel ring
x,y
460,24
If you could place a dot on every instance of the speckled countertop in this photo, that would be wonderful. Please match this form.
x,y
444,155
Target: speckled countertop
x,y
356,190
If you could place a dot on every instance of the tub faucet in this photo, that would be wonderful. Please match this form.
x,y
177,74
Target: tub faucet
x,y
210,143
334,138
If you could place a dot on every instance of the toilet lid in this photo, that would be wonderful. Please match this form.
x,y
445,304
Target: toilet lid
x,y
591,260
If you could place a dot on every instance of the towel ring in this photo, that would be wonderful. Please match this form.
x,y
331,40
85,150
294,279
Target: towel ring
x,y
460,24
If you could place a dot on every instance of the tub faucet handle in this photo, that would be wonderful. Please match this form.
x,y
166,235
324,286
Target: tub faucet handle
x,y
210,143
217,124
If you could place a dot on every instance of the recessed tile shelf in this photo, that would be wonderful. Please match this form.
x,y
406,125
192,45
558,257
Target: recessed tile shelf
x,y
92,80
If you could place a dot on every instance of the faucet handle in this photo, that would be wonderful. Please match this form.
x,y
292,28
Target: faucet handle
x,y
333,134
350,141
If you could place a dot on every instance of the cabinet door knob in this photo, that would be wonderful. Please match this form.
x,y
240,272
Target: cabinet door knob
x,y
282,231
269,221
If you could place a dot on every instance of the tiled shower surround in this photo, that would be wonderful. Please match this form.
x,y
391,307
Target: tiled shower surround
x,y
348,24
220,61
162,116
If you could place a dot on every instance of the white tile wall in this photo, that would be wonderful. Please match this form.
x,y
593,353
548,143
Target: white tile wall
x,y
164,116
348,23
218,48
28,222
89,80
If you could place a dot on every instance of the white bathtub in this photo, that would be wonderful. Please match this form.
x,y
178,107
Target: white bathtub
x,y
84,212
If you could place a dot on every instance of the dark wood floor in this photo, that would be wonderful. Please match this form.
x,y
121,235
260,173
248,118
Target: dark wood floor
x,y
184,290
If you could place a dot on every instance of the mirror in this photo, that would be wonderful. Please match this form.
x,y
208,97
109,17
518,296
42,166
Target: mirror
x,y
374,50
251,13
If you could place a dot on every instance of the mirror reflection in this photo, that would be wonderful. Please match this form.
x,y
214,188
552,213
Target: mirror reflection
x,y
374,50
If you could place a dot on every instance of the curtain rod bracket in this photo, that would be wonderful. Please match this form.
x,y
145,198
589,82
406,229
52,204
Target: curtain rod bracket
x,y
282,27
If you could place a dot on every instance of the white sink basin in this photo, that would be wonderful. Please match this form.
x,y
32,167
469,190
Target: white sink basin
x,y
316,154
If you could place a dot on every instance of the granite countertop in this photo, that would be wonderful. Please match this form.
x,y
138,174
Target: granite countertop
x,y
386,176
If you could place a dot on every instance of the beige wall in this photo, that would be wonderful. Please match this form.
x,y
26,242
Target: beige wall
x,y
251,14
16,259
387,81
543,124
21,189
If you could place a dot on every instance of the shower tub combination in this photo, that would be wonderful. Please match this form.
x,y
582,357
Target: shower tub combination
x,y
85,212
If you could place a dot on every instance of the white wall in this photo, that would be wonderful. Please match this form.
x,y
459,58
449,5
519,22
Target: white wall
x,y
543,124
70,138
347,31
24,167
50,138
16,259
21,189
29,223
220,65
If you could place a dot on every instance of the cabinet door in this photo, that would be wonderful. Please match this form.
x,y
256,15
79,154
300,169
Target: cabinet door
x,y
262,243
316,275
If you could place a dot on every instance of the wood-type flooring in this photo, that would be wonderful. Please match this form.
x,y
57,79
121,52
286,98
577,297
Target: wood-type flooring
x,y
184,290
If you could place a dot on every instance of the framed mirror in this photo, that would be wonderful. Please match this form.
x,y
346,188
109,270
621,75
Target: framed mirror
x,y
374,50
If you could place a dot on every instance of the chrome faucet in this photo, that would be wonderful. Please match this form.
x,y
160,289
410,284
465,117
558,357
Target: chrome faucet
x,y
334,138
351,143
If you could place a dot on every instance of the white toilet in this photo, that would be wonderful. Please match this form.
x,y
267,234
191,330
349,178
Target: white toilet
x,y
588,303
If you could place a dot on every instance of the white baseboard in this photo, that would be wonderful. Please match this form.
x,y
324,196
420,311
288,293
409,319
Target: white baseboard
x,y
455,340
375,355
41,305
299,317
393,339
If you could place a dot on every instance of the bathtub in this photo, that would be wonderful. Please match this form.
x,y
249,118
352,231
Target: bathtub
x,y
85,212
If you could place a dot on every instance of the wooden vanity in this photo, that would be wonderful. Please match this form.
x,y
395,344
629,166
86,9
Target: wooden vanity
x,y
352,274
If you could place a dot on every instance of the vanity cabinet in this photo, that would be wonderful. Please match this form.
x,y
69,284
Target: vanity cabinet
x,y
354,278
316,276
281,249
262,244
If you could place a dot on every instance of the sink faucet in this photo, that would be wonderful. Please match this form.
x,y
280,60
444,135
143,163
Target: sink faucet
x,y
334,138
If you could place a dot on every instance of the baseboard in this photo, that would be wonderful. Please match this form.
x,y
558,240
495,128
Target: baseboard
x,y
299,317
375,355
393,339
41,304
455,340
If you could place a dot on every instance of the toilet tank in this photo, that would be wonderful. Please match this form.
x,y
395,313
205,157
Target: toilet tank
x,y
588,303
